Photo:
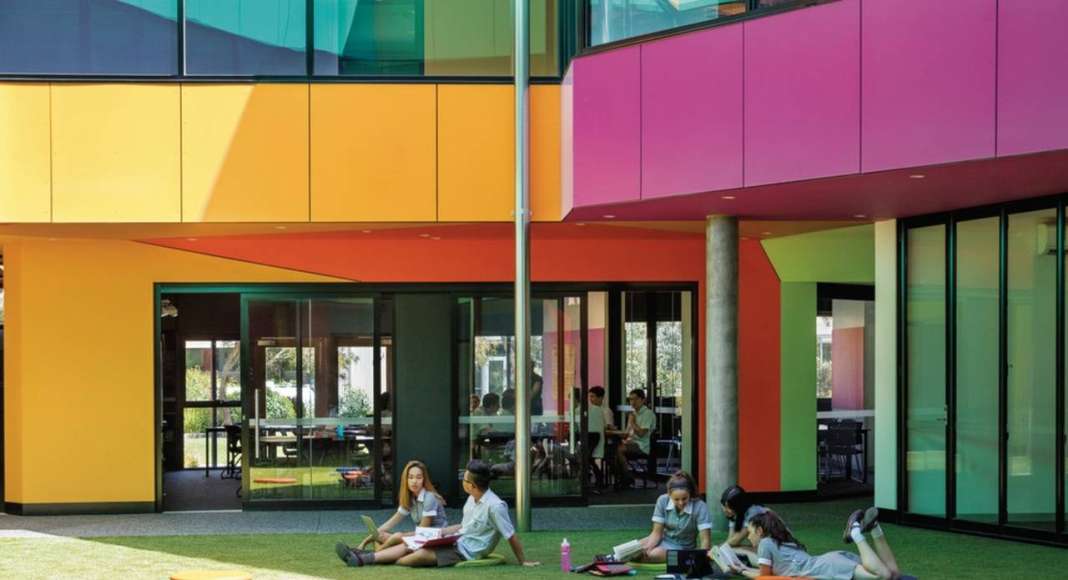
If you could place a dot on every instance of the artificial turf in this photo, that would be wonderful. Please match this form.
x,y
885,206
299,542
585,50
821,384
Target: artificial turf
x,y
923,553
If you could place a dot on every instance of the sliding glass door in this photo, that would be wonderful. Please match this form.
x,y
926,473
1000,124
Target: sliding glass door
x,y
982,346
318,425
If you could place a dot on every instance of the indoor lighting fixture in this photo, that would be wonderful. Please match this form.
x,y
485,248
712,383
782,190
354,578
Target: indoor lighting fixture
x,y
581,224
765,233
190,239
859,216
279,227
435,237
424,235
366,231
609,216
917,176
727,197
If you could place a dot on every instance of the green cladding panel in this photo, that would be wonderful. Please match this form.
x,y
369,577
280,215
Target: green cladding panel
x,y
798,384
424,408
843,255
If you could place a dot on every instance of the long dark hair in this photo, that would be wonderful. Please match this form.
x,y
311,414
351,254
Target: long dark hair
x,y
771,526
739,501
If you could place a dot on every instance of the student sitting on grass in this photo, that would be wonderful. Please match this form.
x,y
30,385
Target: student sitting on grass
x,y
740,509
485,522
680,521
780,554
417,500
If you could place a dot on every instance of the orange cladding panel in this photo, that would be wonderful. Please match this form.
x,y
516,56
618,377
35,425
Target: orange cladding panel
x,y
475,153
244,153
115,153
374,152
25,153
545,152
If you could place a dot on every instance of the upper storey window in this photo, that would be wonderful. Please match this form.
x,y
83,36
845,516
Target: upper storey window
x,y
89,37
429,37
243,37
614,20
274,38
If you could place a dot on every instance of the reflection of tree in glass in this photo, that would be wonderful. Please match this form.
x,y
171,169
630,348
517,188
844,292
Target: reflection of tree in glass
x,y
281,372
354,401
635,348
669,359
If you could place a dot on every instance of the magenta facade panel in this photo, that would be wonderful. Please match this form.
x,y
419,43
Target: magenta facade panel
x,y
1032,76
802,94
607,127
692,112
928,83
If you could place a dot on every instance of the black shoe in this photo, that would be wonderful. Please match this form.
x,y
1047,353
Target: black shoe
x,y
870,520
854,520
349,557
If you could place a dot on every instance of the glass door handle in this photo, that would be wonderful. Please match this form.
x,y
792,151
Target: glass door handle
x,y
256,415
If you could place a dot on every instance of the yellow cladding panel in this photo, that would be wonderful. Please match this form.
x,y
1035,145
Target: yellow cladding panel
x,y
245,153
374,153
81,431
545,153
475,153
25,155
115,153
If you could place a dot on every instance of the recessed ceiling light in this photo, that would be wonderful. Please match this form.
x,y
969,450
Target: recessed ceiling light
x,y
279,227
728,197
581,224
917,176
859,216
765,233
424,235
745,238
51,239
435,237
190,239
609,216
366,231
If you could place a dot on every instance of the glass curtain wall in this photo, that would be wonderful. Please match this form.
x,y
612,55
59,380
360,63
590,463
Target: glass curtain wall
x,y
317,430
98,37
977,349
486,345
1006,302
1031,357
612,20
925,338
430,38
239,37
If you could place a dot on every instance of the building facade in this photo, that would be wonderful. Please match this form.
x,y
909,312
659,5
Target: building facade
x,y
275,235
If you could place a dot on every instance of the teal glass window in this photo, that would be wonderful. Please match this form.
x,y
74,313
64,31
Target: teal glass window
x,y
977,347
612,20
246,37
1031,356
93,37
925,304
429,38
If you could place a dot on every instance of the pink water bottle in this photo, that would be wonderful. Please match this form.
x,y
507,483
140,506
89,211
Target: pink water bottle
x,y
565,556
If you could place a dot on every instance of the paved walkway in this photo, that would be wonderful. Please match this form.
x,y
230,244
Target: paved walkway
x,y
291,522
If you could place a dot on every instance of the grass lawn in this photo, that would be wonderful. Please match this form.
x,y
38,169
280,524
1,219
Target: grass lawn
x,y
923,553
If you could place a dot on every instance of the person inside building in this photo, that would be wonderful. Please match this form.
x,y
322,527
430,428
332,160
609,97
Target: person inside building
x,y
779,553
635,444
599,420
485,522
740,508
681,521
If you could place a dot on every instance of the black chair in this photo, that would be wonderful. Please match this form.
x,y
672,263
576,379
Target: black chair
x,y
233,453
844,441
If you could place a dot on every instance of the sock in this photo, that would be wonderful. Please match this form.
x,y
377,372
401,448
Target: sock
x,y
877,531
368,558
856,534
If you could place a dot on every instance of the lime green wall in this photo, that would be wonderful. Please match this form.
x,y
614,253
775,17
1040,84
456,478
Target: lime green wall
x,y
798,386
886,365
844,255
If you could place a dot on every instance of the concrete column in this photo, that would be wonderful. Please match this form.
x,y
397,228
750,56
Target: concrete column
x,y
721,358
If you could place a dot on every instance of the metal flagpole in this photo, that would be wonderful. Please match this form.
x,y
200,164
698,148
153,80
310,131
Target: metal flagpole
x,y
522,268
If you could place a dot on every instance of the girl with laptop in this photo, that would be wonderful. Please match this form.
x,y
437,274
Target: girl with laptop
x,y
779,553
680,521
485,522
417,500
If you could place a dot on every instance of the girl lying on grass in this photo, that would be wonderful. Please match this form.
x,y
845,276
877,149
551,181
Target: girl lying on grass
x,y
780,554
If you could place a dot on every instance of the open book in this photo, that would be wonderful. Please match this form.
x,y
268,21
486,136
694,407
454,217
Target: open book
x,y
627,551
725,558
428,537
